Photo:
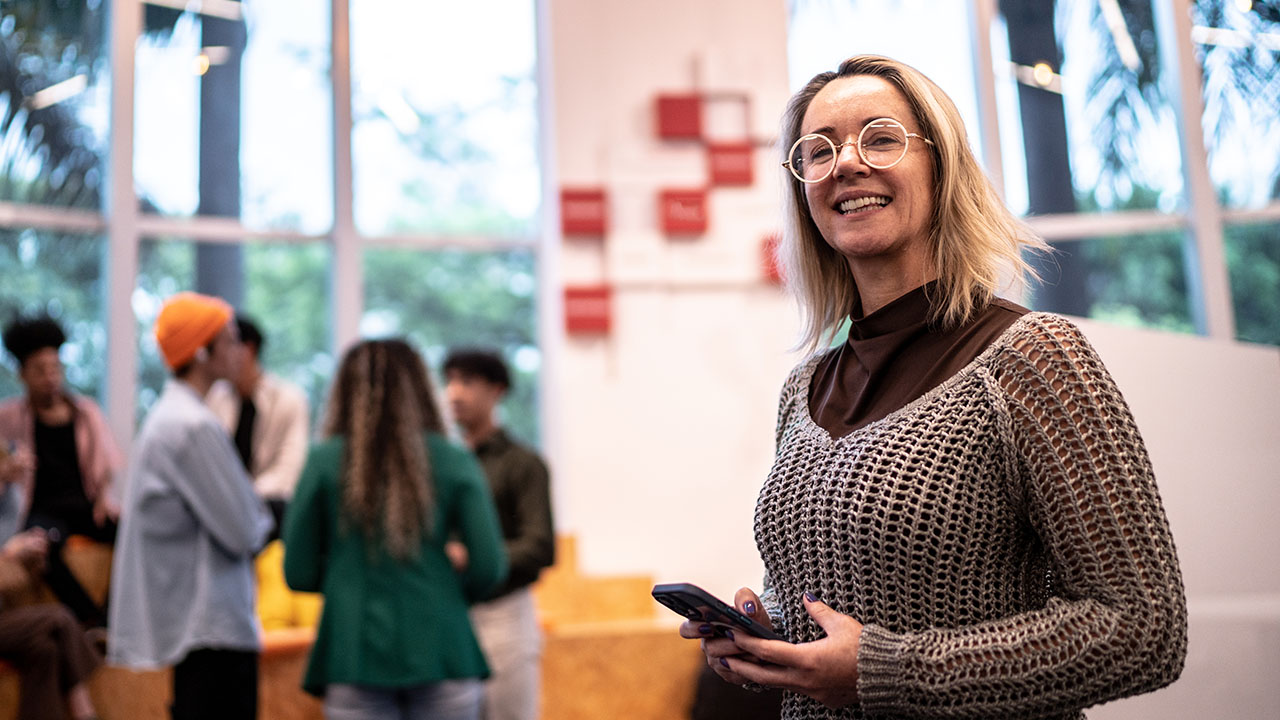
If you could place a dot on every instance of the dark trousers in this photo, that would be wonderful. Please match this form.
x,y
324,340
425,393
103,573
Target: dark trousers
x,y
59,577
216,685
52,656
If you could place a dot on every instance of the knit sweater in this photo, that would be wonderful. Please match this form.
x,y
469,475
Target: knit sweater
x,y
1001,539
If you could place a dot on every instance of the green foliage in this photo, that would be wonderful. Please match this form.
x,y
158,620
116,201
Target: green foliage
x,y
447,298
1137,280
1253,261
1241,85
287,297
47,154
61,275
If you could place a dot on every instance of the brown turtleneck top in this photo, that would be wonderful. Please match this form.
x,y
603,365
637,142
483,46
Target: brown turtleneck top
x,y
895,355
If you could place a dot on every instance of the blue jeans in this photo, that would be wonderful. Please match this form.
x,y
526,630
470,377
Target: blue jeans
x,y
445,700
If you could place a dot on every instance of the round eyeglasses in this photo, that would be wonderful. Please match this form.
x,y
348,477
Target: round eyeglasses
x,y
881,144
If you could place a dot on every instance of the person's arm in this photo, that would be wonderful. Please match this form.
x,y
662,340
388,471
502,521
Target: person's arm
x,y
533,546
306,524
277,478
219,493
1117,624
104,461
476,522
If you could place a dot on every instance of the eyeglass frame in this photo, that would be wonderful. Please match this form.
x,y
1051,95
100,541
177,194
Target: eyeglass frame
x,y
836,148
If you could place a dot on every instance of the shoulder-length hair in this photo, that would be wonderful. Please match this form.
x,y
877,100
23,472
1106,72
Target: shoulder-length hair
x,y
975,242
381,404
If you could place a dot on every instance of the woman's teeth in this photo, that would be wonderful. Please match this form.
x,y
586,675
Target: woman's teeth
x,y
857,204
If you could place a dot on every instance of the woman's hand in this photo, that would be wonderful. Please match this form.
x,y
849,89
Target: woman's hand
x,y
29,548
718,649
825,670
13,465
105,509
457,554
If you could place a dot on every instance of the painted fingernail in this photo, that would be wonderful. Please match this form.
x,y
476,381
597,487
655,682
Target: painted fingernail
x,y
705,629
729,633
724,662
750,607
811,597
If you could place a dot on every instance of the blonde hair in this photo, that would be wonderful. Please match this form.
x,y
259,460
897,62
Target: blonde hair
x,y
973,238
382,404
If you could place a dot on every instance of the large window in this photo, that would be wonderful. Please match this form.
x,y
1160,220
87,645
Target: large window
x,y
241,187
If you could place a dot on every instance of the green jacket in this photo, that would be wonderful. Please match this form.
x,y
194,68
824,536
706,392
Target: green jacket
x,y
389,623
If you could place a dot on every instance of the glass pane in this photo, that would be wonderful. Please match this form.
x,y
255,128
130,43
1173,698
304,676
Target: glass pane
x,y
233,116
921,33
448,298
54,91
1253,261
1238,56
1092,129
444,138
60,275
286,294
1136,280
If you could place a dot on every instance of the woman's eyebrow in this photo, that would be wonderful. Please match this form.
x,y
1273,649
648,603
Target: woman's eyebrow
x,y
830,130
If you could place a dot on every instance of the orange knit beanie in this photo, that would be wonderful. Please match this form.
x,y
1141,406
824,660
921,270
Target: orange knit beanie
x,y
187,322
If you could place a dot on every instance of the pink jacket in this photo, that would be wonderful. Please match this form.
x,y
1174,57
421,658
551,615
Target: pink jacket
x,y
95,446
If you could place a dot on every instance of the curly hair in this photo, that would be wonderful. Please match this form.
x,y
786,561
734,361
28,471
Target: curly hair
x,y
24,336
975,242
382,403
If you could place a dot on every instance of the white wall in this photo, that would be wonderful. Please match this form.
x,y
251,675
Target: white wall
x,y
1210,414
665,427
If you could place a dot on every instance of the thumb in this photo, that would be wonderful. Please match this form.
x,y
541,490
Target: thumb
x,y
821,612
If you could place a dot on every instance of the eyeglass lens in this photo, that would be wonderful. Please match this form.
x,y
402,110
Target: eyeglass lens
x,y
882,144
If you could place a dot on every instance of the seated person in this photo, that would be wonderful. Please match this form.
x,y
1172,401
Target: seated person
x,y
51,652
60,455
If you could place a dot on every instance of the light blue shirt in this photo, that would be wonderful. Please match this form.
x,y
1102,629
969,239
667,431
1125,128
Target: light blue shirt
x,y
182,575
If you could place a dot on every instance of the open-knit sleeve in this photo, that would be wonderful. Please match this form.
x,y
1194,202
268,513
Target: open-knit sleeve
x,y
1114,623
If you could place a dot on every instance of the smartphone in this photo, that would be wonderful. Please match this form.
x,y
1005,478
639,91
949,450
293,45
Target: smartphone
x,y
695,603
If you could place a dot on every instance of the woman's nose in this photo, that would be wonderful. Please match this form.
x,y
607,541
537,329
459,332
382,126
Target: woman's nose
x,y
849,161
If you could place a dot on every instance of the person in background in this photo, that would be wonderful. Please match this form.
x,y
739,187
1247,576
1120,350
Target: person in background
x,y
182,590
378,498
269,421
961,519
58,460
51,652
507,622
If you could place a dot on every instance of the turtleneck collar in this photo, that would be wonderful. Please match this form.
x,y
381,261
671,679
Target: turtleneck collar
x,y
894,355
908,310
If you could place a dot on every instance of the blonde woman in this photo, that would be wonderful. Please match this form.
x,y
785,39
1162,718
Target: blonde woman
x,y
961,519
367,527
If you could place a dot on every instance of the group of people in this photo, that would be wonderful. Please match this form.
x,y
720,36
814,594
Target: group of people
x,y
424,548
961,519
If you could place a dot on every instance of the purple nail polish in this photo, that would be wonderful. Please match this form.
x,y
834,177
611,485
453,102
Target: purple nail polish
x,y
729,633
705,629
811,597
724,662
750,607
